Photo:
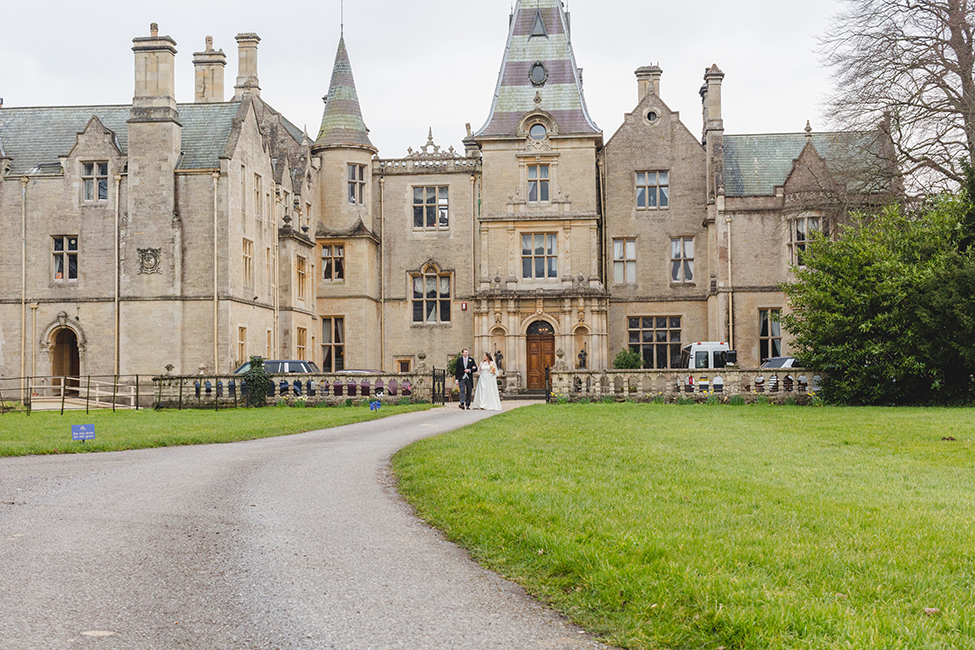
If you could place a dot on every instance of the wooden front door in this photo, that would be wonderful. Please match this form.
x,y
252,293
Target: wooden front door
x,y
541,354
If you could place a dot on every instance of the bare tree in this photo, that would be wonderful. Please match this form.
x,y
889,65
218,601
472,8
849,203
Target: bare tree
x,y
907,65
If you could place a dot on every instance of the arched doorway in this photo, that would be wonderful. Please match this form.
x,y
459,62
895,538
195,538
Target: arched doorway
x,y
541,353
65,360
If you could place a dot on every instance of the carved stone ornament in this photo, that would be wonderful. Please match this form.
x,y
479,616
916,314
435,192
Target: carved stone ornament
x,y
150,260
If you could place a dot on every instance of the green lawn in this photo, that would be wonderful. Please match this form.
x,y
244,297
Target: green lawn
x,y
660,526
50,433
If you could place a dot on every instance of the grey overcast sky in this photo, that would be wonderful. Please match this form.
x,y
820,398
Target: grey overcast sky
x,y
432,63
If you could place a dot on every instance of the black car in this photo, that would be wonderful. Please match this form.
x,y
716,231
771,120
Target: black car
x,y
282,366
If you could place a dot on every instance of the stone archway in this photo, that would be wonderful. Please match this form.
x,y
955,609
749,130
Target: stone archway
x,y
540,346
65,359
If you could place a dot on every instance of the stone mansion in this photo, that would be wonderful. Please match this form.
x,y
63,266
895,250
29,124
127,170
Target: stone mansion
x,y
162,236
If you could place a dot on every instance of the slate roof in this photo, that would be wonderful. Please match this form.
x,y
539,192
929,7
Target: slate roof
x,y
34,138
754,165
561,94
342,122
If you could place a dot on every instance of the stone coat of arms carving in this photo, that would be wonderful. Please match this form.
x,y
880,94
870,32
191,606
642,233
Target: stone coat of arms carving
x,y
150,260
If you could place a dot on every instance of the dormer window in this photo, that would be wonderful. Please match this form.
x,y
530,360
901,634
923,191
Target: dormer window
x,y
538,26
94,176
538,132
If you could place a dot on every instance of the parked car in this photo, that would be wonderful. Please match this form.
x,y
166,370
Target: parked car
x,y
781,362
281,366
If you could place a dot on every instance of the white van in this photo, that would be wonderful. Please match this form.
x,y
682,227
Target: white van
x,y
707,355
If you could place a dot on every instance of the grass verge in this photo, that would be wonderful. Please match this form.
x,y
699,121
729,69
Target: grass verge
x,y
767,527
50,433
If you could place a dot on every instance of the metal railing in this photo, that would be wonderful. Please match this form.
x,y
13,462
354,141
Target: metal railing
x,y
66,393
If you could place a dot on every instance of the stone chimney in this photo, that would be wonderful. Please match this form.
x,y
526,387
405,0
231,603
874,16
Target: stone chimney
x,y
648,81
713,131
155,64
711,96
247,65
209,66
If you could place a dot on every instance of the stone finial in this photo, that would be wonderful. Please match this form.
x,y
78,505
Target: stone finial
x,y
209,42
153,29
808,129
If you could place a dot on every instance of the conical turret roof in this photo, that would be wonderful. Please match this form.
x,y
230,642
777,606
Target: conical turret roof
x,y
342,123
539,72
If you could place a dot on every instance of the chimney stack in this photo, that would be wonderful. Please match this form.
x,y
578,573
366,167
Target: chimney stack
x,y
209,66
155,64
247,65
648,81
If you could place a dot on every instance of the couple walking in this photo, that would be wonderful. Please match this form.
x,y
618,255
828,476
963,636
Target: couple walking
x,y
487,396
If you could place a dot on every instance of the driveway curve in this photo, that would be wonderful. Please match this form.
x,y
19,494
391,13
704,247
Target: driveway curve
x,y
298,542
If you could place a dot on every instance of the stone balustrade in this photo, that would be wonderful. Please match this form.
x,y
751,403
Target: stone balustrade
x,y
220,391
644,385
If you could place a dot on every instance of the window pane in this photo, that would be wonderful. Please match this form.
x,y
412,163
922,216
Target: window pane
x,y
641,197
351,192
59,267
72,244
58,244
647,323
648,336
526,244
688,270
539,267
762,322
675,249
544,191
351,172
339,268
552,243
776,325
526,267
72,267
431,287
675,323
418,311
417,216
631,249
663,178
539,241
327,263
444,311
444,286
533,191
443,195
776,347
618,251
327,330
327,359
339,358
89,190
418,195
103,189
543,171
661,323
662,356
431,307
340,330
431,216
675,337
652,198
553,267
88,169
634,323
689,248
103,169
641,178
664,197
443,217
631,272
619,272
675,271
362,172
418,288
634,336
431,195
532,172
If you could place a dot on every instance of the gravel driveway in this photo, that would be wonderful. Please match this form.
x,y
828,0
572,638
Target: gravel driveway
x,y
292,542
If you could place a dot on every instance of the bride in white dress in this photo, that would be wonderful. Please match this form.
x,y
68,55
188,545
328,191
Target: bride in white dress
x,y
486,395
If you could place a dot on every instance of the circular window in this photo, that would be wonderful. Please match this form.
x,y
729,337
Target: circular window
x,y
538,74
651,117
538,132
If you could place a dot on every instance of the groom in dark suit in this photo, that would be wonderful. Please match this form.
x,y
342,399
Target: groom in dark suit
x,y
464,374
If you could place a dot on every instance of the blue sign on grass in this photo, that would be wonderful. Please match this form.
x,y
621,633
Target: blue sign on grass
x,y
82,432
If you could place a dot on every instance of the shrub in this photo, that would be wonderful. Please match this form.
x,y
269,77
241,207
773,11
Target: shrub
x,y
627,360
683,401
763,400
712,400
403,401
607,399
258,383
737,400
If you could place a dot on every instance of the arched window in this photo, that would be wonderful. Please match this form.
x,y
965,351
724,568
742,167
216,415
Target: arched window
x,y
431,296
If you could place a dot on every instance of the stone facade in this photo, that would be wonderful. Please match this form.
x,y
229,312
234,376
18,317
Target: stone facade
x,y
160,236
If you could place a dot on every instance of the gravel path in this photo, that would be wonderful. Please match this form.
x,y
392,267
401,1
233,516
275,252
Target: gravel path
x,y
292,542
